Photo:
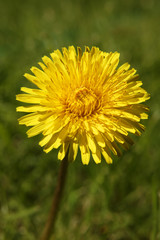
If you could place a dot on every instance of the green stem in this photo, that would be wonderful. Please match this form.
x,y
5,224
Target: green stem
x,y
49,227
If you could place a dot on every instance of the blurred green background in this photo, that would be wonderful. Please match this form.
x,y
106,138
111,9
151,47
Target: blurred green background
x,y
111,202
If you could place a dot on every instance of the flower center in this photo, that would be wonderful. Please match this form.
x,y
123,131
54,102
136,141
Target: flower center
x,y
83,102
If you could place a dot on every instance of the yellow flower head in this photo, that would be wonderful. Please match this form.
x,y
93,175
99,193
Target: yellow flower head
x,y
83,100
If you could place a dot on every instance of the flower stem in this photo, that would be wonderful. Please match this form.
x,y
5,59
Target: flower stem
x,y
49,227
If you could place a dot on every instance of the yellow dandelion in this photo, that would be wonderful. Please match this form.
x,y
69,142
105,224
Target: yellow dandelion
x,y
84,101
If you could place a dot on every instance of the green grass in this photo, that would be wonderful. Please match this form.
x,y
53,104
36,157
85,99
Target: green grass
x,y
109,202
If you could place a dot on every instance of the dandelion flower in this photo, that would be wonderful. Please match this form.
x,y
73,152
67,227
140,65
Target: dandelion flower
x,y
83,100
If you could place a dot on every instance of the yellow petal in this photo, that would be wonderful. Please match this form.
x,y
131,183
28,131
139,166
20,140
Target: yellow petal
x,y
144,116
50,145
35,108
63,150
107,156
45,140
85,156
31,78
97,156
73,150
30,119
100,140
36,130
55,125
28,98
31,91
91,143
56,140
127,125
42,77
85,152
119,137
